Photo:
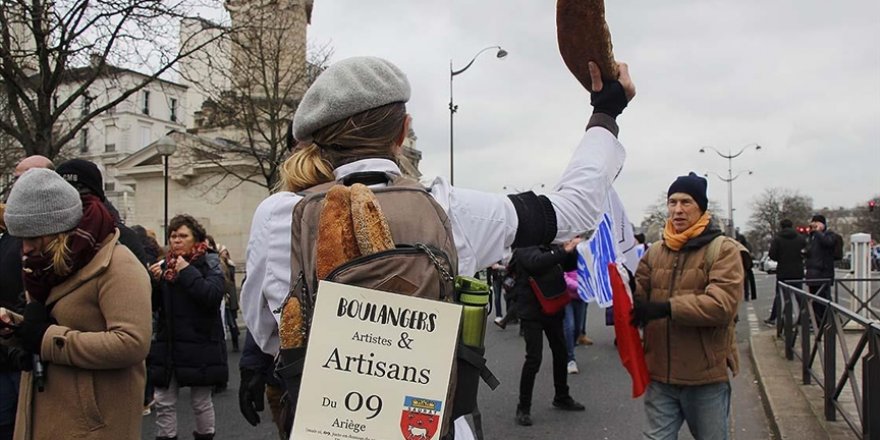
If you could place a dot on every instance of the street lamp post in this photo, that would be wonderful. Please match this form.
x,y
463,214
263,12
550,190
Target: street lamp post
x,y
730,178
453,108
166,146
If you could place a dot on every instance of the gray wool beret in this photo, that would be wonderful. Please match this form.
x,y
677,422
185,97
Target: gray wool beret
x,y
347,88
42,203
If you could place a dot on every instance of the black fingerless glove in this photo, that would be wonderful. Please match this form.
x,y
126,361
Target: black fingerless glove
x,y
611,100
250,395
645,312
34,326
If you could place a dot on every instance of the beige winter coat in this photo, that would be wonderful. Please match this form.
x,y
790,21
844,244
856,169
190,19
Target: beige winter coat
x,y
697,344
95,354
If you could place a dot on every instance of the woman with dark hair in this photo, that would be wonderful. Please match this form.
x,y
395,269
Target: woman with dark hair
x,y
87,318
189,350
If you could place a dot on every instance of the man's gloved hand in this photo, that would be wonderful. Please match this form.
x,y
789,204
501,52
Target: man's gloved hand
x,y
644,312
611,100
251,393
34,326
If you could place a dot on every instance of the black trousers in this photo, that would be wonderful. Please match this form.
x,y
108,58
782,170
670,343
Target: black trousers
x,y
750,289
533,332
822,290
777,299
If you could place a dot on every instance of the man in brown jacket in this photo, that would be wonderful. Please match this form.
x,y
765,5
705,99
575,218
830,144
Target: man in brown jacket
x,y
688,290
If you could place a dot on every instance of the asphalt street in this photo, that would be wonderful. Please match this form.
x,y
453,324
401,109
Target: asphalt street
x,y
603,386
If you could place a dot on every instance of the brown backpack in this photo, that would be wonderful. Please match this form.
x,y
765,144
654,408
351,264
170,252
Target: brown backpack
x,y
423,263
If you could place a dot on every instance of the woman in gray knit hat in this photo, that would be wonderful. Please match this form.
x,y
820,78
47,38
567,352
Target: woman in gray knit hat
x,y
87,317
350,127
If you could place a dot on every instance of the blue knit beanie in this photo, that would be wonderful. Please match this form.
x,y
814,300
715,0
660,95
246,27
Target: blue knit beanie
x,y
692,185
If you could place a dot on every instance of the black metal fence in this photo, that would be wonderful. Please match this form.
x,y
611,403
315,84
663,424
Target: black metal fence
x,y
821,325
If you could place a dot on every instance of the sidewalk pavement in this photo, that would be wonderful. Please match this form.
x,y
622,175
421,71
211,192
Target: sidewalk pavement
x,y
795,410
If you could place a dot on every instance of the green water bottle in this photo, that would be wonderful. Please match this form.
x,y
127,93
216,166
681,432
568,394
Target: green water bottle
x,y
473,294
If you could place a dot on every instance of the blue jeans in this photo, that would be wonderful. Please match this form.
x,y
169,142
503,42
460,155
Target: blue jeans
x,y
706,408
574,324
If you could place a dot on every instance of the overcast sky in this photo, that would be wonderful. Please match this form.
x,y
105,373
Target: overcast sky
x,y
800,78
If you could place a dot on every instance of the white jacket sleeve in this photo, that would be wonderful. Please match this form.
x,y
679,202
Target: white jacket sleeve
x,y
267,279
485,224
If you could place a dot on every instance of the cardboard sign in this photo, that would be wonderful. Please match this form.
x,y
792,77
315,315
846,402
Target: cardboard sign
x,y
377,366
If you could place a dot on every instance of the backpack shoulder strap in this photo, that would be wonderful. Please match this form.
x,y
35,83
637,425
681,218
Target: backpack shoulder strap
x,y
712,251
714,248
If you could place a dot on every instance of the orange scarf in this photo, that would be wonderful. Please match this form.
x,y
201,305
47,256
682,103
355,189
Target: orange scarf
x,y
675,241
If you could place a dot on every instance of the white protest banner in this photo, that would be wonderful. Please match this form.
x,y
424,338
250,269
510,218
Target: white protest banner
x,y
377,366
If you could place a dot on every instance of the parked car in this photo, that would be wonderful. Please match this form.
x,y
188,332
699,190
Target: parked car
x,y
767,265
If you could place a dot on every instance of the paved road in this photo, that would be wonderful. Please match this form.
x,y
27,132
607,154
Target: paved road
x,y
603,387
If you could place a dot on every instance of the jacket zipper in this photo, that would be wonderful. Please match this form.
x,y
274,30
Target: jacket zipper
x,y
399,249
669,321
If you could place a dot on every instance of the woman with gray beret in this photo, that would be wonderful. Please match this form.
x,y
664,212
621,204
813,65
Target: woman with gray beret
x,y
87,320
353,120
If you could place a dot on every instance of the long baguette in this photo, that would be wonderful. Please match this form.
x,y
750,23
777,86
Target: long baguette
x,y
370,225
336,239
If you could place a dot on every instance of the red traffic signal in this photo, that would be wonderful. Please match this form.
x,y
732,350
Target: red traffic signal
x,y
871,206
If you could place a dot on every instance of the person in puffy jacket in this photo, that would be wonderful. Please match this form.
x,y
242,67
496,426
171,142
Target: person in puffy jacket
x,y
686,301
190,350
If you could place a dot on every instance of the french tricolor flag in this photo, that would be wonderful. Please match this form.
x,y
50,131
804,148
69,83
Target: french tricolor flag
x,y
603,278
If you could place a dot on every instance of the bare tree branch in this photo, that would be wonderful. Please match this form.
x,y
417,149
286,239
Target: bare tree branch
x,y
254,85
48,46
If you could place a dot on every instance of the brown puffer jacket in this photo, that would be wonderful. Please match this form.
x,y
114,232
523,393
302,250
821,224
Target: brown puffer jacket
x,y
697,344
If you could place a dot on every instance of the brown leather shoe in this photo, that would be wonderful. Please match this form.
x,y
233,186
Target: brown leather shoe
x,y
584,340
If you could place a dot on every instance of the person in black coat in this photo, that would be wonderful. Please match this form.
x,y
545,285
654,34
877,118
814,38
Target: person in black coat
x,y
189,349
820,261
750,290
546,265
86,178
787,250
12,359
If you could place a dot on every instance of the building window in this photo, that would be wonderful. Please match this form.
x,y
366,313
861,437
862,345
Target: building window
x,y
86,105
146,135
109,186
109,148
84,140
173,110
145,104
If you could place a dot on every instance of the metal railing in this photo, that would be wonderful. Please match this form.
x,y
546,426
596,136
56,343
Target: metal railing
x,y
828,318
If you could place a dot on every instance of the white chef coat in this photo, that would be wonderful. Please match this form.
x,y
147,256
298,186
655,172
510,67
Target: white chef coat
x,y
484,224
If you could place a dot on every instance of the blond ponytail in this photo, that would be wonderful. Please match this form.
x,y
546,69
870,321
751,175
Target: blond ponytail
x,y
304,168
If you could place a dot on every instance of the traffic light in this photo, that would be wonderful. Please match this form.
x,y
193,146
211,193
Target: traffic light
x,y
871,206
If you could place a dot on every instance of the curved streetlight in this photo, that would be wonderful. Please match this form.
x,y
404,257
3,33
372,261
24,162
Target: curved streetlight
x,y
730,178
453,108
166,146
